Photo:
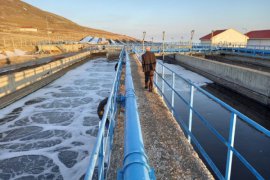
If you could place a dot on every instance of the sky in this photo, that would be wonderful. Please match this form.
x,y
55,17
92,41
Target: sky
x,y
176,17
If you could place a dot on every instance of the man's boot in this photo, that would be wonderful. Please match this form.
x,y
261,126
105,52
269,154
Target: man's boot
x,y
150,87
146,85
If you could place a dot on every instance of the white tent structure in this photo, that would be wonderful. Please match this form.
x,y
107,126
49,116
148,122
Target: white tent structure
x,y
103,41
95,40
86,39
112,42
98,40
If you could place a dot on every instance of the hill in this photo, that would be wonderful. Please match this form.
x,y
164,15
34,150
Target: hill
x,y
15,14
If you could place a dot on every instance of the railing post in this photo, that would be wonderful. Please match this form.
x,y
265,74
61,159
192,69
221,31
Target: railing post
x,y
101,159
190,111
173,86
230,143
156,78
13,43
4,42
162,85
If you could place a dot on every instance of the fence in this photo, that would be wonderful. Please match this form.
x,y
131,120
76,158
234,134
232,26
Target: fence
x,y
234,117
192,113
100,154
20,42
15,42
248,50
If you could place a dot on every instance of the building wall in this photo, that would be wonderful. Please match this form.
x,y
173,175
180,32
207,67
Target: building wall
x,y
28,29
230,36
259,42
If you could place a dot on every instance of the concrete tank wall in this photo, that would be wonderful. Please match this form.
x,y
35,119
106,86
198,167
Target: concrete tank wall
x,y
251,83
14,81
61,47
252,60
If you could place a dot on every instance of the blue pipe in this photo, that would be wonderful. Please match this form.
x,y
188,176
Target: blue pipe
x,y
135,164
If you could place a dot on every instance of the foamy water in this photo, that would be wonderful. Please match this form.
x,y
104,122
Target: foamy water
x,y
50,133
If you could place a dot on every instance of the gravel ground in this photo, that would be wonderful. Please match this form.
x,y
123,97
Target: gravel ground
x,y
168,150
117,155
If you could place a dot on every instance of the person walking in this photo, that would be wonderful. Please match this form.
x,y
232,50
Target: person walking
x,y
149,67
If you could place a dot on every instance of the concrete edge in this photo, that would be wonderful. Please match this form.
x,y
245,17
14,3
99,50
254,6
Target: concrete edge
x,y
12,97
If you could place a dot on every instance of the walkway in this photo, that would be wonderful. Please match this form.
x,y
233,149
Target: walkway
x,y
168,150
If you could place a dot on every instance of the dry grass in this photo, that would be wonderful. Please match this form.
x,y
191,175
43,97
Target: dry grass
x,y
15,14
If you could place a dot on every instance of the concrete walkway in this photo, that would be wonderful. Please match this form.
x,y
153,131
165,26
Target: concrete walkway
x,y
168,150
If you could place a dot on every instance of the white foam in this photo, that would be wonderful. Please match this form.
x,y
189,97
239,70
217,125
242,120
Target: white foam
x,y
91,80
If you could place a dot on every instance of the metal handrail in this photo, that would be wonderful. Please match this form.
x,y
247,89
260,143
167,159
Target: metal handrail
x,y
230,142
248,50
135,164
99,150
188,129
228,107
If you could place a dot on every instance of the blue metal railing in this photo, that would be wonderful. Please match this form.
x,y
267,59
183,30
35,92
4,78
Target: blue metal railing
x,y
234,116
247,50
100,154
135,165
188,129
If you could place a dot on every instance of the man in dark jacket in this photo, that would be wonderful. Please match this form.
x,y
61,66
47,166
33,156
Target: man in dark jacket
x,y
149,67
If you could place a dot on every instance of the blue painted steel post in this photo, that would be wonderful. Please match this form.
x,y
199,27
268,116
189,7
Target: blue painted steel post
x,y
162,85
156,78
101,159
230,143
135,165
173,86
190,111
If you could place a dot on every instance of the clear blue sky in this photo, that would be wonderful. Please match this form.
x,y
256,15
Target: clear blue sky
x,y
176,17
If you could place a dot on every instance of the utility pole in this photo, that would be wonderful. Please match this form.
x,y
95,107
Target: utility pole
x,y
143,39
180,42
191,36
4,41
13,43
163,39
212,35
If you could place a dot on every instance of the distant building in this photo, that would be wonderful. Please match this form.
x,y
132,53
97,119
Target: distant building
x,y
259,38
224,37
28,29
